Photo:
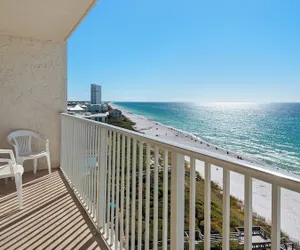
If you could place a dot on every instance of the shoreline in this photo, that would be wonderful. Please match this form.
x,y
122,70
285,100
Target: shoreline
x,y
262,191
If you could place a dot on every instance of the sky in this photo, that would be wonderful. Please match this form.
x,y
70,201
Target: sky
x,y
191,50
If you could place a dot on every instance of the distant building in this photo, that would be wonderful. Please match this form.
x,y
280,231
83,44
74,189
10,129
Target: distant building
x,y
84,107
102,117
95,94
115,113
97,108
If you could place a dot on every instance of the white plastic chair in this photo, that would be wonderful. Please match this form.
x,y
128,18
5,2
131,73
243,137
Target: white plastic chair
x,y
11,169
22,142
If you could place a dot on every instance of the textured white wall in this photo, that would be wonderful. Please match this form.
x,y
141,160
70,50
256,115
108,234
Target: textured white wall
x,y
33,89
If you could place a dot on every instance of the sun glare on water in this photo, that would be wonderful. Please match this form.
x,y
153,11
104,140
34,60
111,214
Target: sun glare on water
x,y
229,104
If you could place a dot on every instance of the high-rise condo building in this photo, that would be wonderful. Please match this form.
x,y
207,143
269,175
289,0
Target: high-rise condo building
x,y
95,94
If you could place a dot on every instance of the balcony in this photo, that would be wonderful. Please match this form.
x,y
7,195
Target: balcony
x,y
107,171
115,189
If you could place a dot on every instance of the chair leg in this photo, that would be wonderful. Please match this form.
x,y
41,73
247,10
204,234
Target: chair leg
x,y
49,163
34,165
18,181
6,179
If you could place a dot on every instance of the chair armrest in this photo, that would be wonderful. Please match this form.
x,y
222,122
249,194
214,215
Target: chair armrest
x,y
12,159
5,151
5,166
5,160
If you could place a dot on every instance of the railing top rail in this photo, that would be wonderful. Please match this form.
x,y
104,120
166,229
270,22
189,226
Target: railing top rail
x,y
284,180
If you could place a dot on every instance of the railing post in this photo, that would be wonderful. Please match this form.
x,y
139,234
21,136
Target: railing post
x,y
275,237
226,209
207,205
248,214
177,201
102,162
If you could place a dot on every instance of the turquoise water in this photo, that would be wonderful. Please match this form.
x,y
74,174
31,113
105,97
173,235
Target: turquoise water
x,y
270,132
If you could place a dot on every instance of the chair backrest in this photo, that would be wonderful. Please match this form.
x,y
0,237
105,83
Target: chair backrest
x,y
21,140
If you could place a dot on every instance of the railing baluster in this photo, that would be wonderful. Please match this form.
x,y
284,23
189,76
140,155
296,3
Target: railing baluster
x,y
96,165
226,209
75,160
165,203
62,144
133,205
86,165
82,163
128,192
112,207
122,192
70,150
89,201
192,203
109,185
73,153
275,237
177,201
155,217
79,161
147,221
207,205
67,148
248,213
102,178
117,191
141,169
90,168
93,170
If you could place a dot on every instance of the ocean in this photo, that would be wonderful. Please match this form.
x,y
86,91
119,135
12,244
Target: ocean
x,y
269,132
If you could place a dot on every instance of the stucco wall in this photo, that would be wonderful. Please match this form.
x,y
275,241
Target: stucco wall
x,y
33,91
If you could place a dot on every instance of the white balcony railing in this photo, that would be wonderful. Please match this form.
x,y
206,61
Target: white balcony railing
x,y
105,166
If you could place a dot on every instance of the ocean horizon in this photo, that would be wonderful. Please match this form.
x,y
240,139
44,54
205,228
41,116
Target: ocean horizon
x,y
269,132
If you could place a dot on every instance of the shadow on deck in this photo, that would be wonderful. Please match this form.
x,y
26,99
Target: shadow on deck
x,y
51,217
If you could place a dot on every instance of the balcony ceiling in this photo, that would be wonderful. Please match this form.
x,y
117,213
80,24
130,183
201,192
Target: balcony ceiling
x,y
42,19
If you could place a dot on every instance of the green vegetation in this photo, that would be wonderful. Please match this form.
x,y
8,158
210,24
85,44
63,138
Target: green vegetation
x,y
122,122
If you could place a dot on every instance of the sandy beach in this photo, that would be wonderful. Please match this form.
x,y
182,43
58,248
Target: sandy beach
x,y
290,208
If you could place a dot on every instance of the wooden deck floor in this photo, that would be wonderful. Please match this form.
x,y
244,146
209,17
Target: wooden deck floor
x,y
51,217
